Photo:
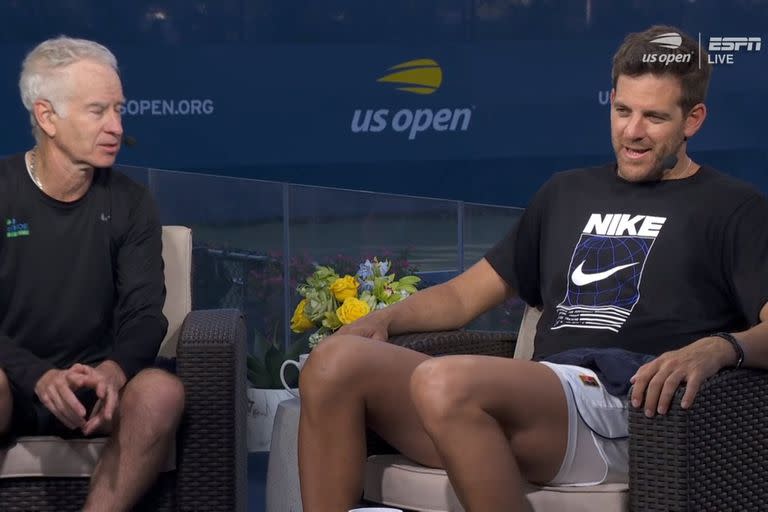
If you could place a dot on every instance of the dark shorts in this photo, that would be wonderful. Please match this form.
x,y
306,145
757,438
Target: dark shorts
x,y
34,419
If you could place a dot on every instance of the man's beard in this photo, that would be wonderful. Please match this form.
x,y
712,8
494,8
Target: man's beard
x,y
659,166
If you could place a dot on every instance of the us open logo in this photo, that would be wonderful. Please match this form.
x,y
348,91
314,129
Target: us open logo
x,y
422,77
671,40
721,49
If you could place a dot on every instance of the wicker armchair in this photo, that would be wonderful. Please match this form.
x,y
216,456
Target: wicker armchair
x,y
51,474
713,457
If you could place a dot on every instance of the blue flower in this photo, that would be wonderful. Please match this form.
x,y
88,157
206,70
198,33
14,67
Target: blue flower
x,y
365,271
383,267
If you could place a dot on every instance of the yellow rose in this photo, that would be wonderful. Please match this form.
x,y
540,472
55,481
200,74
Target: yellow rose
x,y
351,310
344,288
300,322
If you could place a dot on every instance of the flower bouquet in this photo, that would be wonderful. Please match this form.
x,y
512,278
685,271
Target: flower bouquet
x,y
330,301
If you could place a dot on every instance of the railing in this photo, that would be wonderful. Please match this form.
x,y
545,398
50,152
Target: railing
x,y
254,241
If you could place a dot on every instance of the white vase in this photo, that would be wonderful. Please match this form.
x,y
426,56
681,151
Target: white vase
x,y
262,404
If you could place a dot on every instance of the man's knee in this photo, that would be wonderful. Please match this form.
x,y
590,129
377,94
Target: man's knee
x,y
334,365
440,387
156,397
6,403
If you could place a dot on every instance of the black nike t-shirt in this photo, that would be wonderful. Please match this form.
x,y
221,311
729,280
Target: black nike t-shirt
x,y
647,267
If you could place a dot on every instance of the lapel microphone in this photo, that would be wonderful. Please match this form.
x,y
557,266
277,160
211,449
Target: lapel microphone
x,y
669,162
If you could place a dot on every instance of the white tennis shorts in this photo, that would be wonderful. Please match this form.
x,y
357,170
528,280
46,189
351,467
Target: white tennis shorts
x,y
598,430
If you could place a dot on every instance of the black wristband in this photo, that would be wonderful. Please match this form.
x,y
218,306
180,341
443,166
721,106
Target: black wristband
x,y
730,338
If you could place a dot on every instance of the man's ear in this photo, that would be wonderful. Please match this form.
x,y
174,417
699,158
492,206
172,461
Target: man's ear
x,y
694,120
44,114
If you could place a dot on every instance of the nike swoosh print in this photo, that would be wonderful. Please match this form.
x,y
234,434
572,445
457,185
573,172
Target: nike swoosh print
x,y
579,278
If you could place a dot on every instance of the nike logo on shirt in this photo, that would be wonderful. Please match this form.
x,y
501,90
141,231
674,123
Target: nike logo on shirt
x,y
579,278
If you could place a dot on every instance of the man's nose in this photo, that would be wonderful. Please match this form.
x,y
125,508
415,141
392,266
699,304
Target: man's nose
x,y
635,128
115,124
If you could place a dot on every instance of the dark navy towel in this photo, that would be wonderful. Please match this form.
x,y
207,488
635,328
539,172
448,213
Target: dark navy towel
x,y
613,366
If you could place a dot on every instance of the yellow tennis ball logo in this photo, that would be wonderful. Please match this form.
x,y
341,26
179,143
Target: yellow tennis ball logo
x,y
420,76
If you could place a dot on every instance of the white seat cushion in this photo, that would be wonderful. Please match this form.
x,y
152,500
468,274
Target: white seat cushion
x,y
394,480
56,457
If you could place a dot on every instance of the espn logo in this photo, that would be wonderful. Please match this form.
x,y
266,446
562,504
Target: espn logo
x,y
735,44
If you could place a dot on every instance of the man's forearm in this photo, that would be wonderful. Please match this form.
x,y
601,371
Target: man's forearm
x,y
754,342
22,367
114,371
437,308
450,305
137,343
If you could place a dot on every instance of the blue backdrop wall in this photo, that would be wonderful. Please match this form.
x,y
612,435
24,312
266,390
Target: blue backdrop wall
x,y
289,90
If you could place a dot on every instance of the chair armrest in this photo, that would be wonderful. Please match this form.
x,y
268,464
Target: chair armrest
x,y
489,343
713,456
212,453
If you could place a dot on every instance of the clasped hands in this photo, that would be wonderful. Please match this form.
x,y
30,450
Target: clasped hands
x,y
56,390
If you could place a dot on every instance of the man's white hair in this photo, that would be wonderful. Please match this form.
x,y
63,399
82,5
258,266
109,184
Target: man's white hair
x,y
43,76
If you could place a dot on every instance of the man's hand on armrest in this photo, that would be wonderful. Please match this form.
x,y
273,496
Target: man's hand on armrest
x,y
656,382
374,325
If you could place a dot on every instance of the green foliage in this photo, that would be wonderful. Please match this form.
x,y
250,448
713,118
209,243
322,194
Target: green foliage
x,y
329,300
267,357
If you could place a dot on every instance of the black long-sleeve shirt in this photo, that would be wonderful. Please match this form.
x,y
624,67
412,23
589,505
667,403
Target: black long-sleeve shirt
x,y
80,281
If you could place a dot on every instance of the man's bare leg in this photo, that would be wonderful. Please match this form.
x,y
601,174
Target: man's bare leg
x,y
496,422
144,428
6,404
346,382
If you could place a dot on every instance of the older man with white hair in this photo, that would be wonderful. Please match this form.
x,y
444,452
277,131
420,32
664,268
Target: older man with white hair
x,y
81,279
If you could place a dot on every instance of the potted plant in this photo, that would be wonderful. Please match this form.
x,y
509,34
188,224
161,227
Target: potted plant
x,y
330,298
264,366
266,390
